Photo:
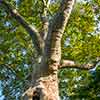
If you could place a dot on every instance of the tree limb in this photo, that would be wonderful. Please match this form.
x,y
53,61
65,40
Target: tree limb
x,y
72,64
36,38
44,19
60,19
44,29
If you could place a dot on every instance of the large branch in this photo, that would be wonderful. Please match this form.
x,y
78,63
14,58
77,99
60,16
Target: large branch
x,y
61,17
72,64
36,38
44,28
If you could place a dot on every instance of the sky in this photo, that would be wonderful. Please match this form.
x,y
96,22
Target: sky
x,y
1,96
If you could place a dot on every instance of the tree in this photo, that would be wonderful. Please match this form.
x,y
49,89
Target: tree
x,y
47,43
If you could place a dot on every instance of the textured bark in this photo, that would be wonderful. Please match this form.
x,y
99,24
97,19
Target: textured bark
x,y
49,87
56,29
44,84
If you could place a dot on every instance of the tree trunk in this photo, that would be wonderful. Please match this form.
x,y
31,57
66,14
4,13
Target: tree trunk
x,y
48,45
44,84
48,86
45,80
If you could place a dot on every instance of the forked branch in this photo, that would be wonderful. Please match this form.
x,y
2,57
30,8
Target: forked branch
x,y
60,19
36,38
56,28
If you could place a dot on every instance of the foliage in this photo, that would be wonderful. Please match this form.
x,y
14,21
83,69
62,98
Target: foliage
x,y
78,85
80,43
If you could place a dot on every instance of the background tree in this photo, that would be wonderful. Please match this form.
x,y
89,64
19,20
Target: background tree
x,y
20,56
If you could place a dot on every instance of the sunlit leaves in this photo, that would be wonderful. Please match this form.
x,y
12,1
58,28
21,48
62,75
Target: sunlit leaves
x,y
80,42
84,43
83,47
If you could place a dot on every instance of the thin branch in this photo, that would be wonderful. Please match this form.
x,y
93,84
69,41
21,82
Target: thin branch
x,y
72,64
44,19
44,29
36,38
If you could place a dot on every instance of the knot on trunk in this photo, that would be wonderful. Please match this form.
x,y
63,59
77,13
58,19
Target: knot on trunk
x,y
32,94
53,66
36,94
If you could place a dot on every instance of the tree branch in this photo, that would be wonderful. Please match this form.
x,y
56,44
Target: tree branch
x,y
36,38
72,64
44,29
60,19
44,19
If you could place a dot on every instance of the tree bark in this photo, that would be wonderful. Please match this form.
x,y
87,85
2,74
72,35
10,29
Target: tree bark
x,y
73,64
44,84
